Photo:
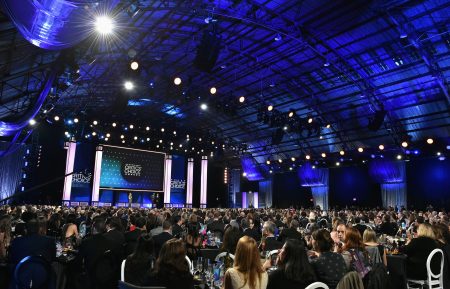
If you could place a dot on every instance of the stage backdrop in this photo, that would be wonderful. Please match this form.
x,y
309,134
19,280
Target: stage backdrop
x,y
84,171
178,180
132,169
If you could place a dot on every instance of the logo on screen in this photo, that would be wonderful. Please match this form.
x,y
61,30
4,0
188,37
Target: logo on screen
x,y
132,172
81,178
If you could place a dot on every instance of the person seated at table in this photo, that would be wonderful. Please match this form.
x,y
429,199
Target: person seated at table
x,y
230,240
141,261
5,235
132,237
249,229
162,238
443,237
247,271
339,237
417,251
171,269
388,227
290,233
293,269
329,266
70,231
270,242
177,226
372,247
354,248
217,227
54,226
193,239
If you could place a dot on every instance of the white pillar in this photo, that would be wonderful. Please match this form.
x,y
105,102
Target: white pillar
x,y
167,179
204,182
189,182
97,173
71,148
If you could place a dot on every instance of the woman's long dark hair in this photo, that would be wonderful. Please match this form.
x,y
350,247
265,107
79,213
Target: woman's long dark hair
x,y
295,265
230,240
144,247
172,257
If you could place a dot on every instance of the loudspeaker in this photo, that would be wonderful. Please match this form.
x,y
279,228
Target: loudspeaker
x,y
208,51
377,121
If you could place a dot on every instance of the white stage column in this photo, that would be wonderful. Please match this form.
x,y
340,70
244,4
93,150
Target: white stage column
x,y
71,148
204,182
97,173
189,182
167,180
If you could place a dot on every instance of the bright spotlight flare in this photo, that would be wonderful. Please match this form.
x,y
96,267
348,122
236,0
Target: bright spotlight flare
x,y
134,65
104,25
128,85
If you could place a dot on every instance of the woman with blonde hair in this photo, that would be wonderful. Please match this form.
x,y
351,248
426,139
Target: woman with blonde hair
x,y
417,251
377,252
247,271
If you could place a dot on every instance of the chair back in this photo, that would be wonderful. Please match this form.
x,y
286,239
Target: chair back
x,y
351,280
33,272
317,285
435,279
105,270
223,255
125,285
122,270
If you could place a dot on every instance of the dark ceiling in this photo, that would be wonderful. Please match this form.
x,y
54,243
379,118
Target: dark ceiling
x,y
338,63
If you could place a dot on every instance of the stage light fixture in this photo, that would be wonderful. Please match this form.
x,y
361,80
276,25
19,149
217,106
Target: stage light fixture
x,y
399,157
244,174
160,141
108,135
291,113
104,25
268,162
76,120
278,37
131,126
32,122
290,168
285,128
241,99
270,108
135,138
56,118
338,163
360,150
280,161
308,157
123,141
430,141
95,122
134,65
106,139
122,136
381,147
94,133
114,124
147,128
438,153
328,125
270,171
128,85
177,81
203,106
162,129
293,159
404,144
175,132
324,155
342,153
310,120
213,90
148,139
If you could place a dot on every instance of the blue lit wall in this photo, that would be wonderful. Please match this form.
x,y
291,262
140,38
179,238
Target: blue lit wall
x,y
178,178
288,192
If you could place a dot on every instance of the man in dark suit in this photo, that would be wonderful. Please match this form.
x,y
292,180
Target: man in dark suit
x,y
248,226
290,233
217,226
32,244
387,227
270,242
177,228
165,236
131,237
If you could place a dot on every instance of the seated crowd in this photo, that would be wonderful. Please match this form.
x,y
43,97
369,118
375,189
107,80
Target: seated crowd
x,y
313,245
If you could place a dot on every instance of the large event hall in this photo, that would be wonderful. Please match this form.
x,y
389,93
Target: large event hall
x,y
233,144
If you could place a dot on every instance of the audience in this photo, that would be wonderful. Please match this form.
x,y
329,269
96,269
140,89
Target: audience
x,y
193,239
290,233
377,252
163,237
354,251
230,240
247,271
293,268
141,261
171,269
270,242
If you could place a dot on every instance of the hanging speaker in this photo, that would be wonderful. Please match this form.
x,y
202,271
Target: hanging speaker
x,y
377,121
208,51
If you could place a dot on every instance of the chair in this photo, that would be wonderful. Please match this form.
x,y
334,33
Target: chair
x,y
317,285
33,272
351,280
122,270
434,281
125,285
191,267
222,255
105,270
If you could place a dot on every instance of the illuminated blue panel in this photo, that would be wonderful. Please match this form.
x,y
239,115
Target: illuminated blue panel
x,y
172,110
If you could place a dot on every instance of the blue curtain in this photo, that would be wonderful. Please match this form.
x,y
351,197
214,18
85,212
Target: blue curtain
x,y
10,170
391,175
265,189
251,168
317,179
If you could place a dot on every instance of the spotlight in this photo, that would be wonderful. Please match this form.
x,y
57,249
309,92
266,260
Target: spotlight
x,y
404,144
148,139
104,25
114,124
175,132
403,35
342,153
32,122
128,85
270,108
122,136
381,147
131,126
399,157
147,128
177,81
244,174
328,125
360,150
280,161
324,155
430,141
56,118
95,122
203,106
438,153
326,64
268,162
285,128
106,139
310,120
75,120
134,65
270,171
123,141
162,129
291,113
290,168
135,138
338,163
308,157
241,99
213,90
94,133
293,159
278,37
108,135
